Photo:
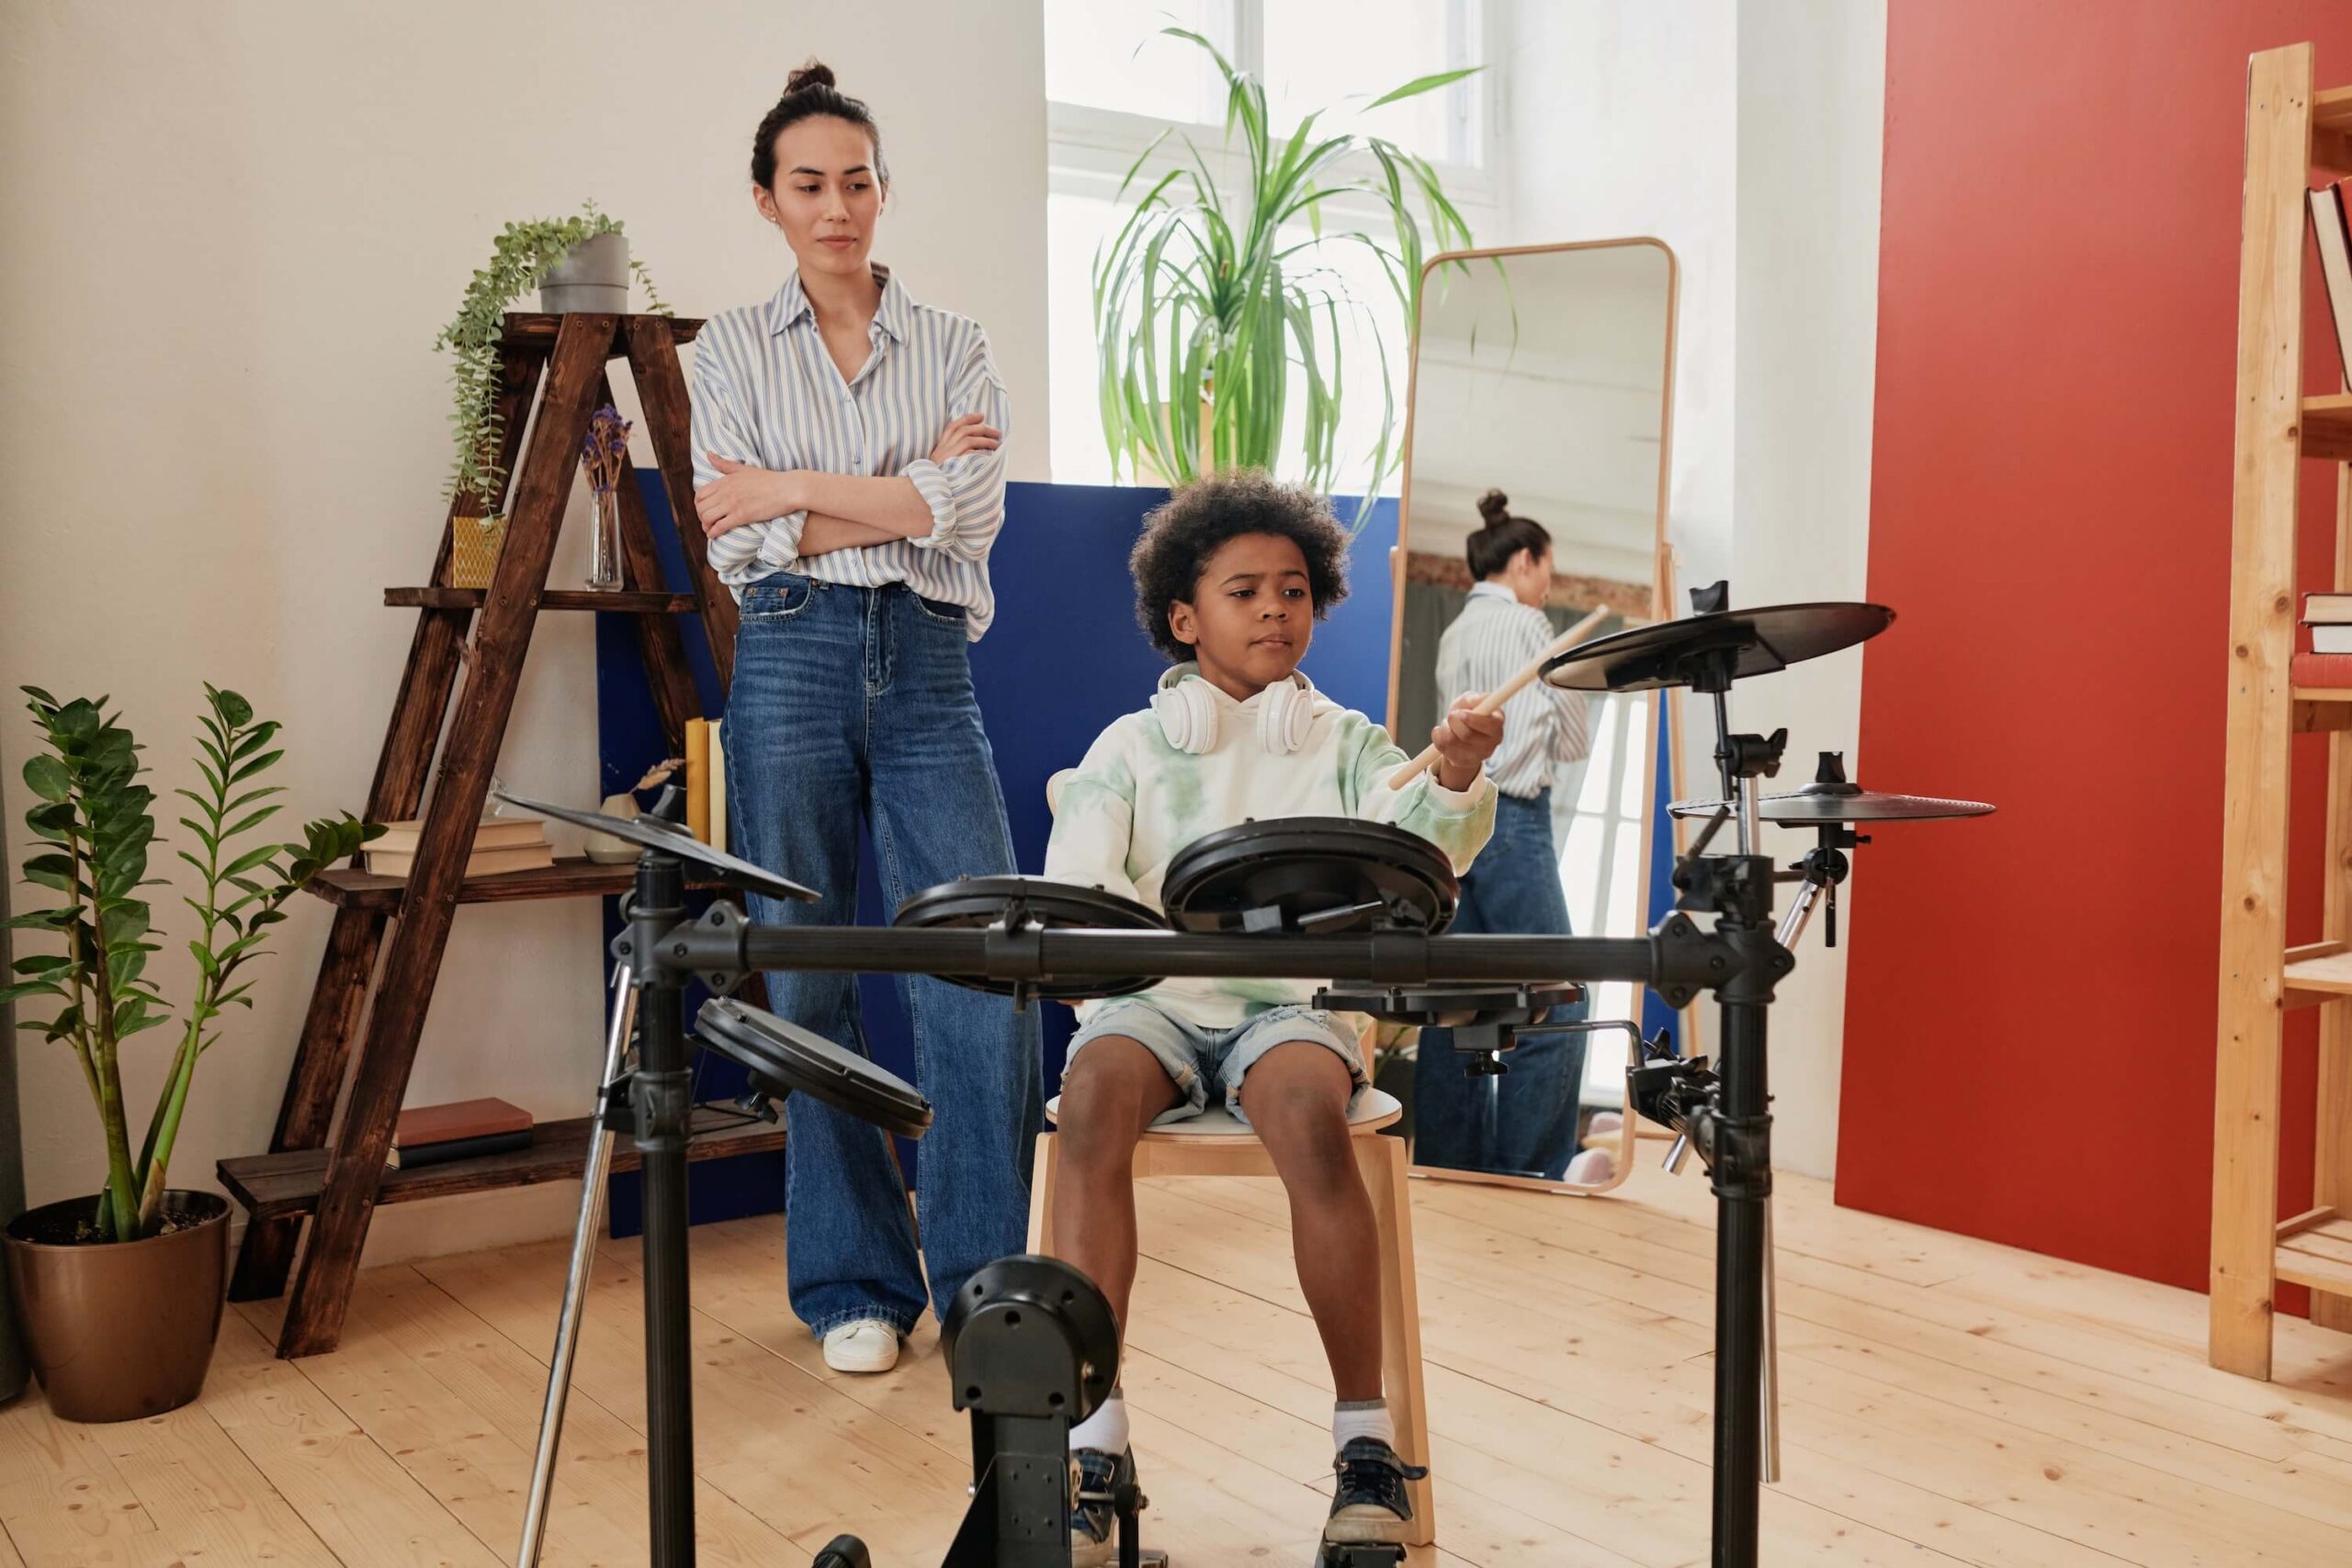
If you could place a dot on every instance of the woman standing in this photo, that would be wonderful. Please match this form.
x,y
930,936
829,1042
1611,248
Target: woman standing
x,y
1514,886
850,481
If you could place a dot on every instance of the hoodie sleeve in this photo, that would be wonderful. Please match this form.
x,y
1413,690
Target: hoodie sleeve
x,y
1459,822
1094,819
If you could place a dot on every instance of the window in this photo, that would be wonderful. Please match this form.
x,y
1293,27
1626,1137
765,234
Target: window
x,y
1597,819
1116,85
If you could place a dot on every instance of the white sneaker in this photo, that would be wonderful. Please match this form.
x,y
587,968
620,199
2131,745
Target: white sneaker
x,y
868,1346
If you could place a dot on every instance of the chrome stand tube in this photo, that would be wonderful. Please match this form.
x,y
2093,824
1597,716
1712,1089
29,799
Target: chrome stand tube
x,y
575,1286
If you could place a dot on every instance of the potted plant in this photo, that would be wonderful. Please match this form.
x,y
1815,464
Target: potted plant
x,y
581,262
1203,304
120,1293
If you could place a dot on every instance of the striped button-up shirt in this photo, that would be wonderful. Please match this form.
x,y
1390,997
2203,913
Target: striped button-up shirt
x,y
767,393
1494,638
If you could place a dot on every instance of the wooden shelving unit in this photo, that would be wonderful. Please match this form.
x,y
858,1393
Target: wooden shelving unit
x,y
2290,131
384,948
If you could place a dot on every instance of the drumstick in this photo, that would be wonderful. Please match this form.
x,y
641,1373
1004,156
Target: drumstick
x,y
1494,700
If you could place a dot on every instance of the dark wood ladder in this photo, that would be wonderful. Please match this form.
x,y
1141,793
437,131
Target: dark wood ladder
x,y
393,931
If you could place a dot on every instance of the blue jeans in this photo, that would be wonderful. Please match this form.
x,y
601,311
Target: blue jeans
x,y
855,703
1513,889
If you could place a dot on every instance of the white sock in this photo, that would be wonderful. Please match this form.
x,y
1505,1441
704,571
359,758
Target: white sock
x,y
1362,1418
1105,1431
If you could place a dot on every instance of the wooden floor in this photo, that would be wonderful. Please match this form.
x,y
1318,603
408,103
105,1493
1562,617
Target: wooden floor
x,y
1944,1401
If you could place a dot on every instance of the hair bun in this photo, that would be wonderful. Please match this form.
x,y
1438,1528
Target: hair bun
x,y
816,73
1493,506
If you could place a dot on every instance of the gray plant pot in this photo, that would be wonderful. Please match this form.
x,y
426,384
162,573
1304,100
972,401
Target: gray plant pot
x,y
593,277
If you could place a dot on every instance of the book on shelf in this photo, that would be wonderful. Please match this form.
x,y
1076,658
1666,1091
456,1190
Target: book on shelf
x,y
421,1124
2327,609
425,1155
2320,670
493,833
699,778
481,863
2329,637
718,785
2331,233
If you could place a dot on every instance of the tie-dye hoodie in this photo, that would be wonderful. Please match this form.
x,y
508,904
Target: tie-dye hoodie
x,y
1122,814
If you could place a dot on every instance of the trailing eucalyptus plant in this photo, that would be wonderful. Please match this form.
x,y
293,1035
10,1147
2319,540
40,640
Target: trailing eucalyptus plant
x,y
96,830
1202,305
520,257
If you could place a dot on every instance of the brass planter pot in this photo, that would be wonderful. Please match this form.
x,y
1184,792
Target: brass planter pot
x,y
119,1330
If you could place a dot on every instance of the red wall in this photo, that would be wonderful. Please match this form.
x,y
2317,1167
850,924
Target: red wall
x,y
2030,1024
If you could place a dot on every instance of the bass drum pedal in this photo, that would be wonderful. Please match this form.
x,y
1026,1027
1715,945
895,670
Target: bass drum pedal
x,y
1356,1554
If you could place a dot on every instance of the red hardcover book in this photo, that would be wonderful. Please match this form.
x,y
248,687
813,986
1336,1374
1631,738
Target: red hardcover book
x,y
2321,670
423,1124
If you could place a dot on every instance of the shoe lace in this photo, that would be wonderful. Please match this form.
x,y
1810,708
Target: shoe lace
x,y
1370,1473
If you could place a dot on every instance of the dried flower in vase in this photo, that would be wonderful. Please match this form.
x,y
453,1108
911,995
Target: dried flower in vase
x,y
604,452
605,449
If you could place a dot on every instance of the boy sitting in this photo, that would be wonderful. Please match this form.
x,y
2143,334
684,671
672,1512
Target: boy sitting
x,y
1230,577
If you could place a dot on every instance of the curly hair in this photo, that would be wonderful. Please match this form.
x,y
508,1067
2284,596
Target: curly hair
x,y
1181,536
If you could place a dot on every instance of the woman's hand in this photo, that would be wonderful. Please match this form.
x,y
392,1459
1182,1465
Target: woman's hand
x,y
743,495
965,433
1465,741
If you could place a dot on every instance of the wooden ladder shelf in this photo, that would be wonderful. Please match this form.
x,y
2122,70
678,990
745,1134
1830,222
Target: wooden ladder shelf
x,y
2291,129
394,931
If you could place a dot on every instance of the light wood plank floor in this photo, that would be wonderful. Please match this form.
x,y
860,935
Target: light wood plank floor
x,y
1945,1401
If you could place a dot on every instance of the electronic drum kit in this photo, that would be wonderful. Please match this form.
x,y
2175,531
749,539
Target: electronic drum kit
x,y
1364,906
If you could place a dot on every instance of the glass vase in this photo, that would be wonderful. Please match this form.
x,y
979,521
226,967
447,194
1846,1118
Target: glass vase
x,y
604,546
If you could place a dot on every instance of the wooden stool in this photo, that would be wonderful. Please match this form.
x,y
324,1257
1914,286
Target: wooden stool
x,y
1217,1144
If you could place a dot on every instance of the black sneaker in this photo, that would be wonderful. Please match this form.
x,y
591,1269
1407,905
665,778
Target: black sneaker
x,y
1369,1505
1093,1517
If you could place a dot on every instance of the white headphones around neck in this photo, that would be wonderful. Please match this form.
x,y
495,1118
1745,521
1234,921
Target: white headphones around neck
x,y
1186,706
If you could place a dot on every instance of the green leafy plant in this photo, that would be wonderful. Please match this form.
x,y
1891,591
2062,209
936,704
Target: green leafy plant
x,y
521,256
95,829
1202,305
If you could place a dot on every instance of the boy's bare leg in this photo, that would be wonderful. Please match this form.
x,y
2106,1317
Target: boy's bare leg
x,y
1110,1095
1296,1098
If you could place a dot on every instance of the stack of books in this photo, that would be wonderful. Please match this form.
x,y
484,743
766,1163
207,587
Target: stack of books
x,y
2329,662
501,843
465,1129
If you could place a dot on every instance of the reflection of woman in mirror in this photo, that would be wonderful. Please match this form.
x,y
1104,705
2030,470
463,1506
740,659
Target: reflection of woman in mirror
x,y
1514,888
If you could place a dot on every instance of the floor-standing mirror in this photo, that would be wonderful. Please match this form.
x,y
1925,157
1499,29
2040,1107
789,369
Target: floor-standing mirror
x,y
1535,505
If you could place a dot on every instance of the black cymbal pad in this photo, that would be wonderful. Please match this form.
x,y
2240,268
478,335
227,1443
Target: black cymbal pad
x,y
1755,642
653,833
788,1056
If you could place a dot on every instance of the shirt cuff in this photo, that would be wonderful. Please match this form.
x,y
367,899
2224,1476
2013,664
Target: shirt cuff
x,y
780,540
938,492
1457,802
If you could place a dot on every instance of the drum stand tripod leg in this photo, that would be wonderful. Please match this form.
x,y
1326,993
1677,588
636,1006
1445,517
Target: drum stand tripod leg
x,y
1768,1391
576,1288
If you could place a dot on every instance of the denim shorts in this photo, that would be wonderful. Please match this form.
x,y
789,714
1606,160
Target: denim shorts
x,y
1195,1057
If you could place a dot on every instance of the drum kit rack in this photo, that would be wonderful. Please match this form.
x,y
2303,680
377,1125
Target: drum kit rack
x,y
1030,1343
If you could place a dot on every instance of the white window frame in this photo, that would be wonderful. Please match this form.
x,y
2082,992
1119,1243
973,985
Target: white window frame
x,y
1090,149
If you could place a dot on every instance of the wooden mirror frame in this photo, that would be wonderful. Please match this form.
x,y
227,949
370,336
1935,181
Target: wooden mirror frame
x,y
1661,608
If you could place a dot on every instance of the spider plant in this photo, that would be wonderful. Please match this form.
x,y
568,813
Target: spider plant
x,y
1203,304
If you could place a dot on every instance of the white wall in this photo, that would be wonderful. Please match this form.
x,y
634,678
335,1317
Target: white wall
x,y
1620,122
1811,110
1747,136
232,232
